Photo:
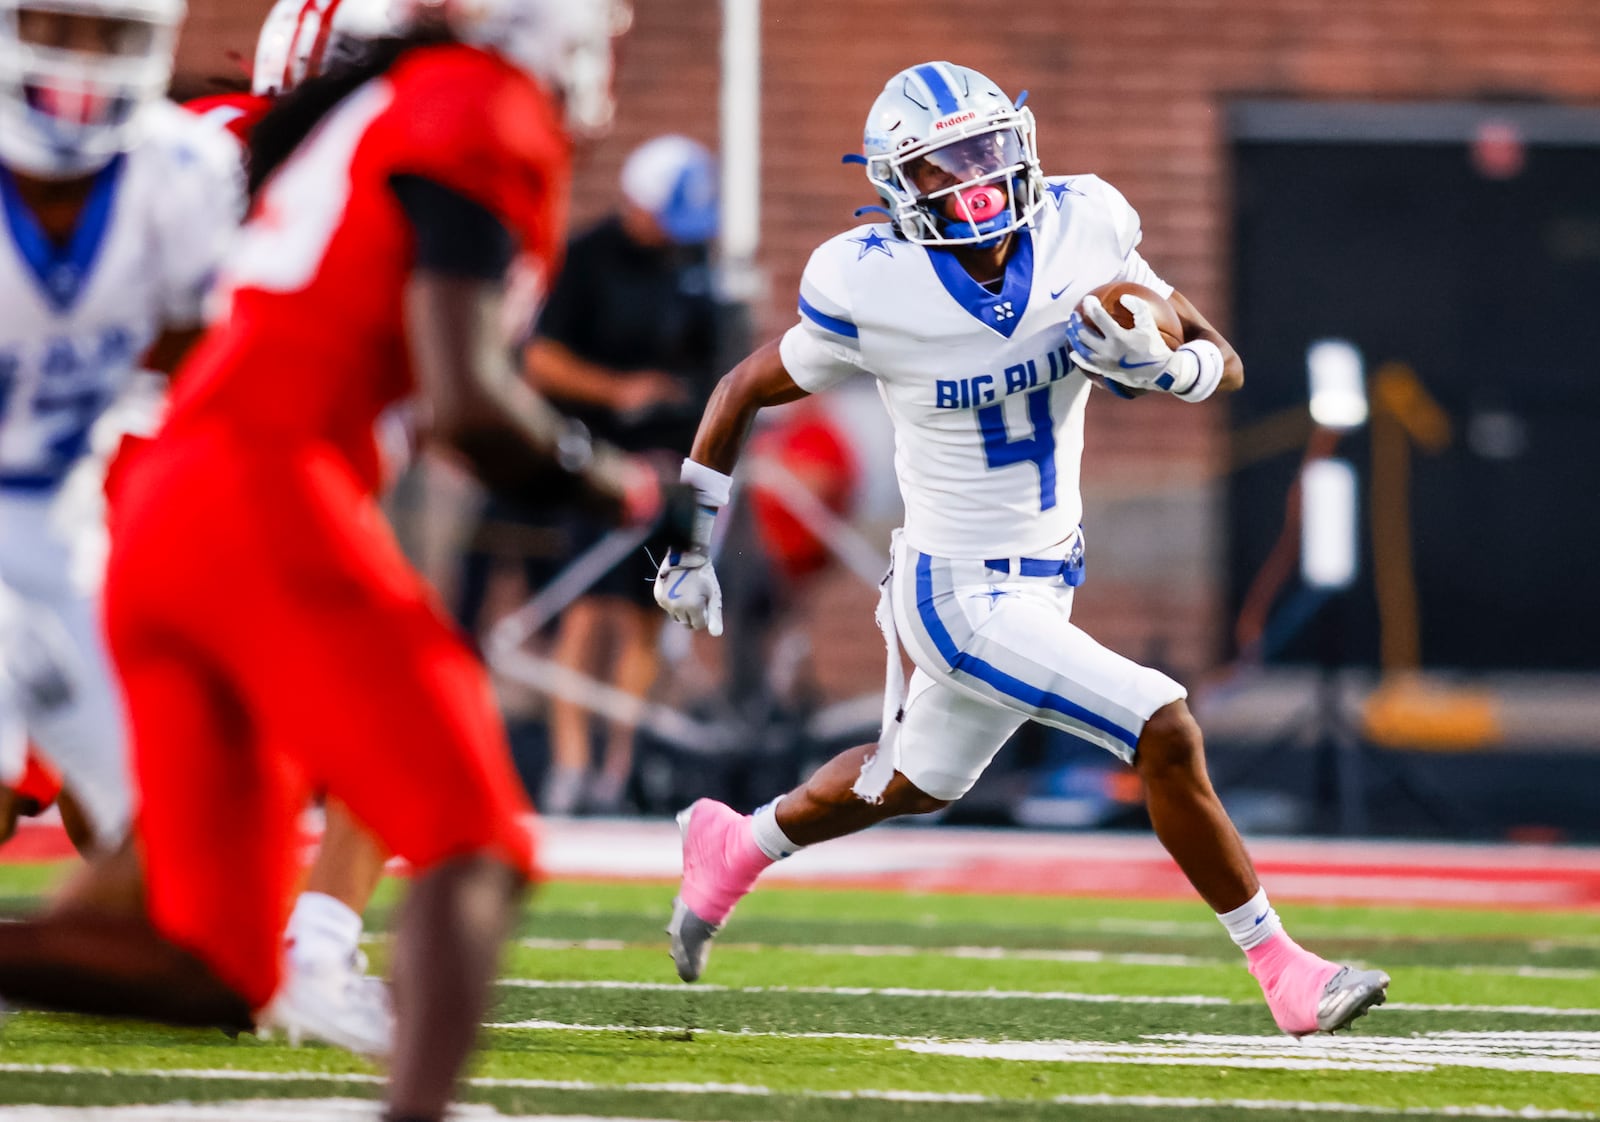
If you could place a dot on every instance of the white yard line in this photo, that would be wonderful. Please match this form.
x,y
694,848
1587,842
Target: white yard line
x,y
681,1030
269,1110
755,1090
1019,954
895,950
1011,995
1572,1053
869,991
1564,1053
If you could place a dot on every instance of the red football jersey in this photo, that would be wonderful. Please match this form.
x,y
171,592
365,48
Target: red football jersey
x,y
239,113
313,347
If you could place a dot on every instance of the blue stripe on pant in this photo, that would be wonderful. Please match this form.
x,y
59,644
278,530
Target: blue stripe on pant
x,y
965,663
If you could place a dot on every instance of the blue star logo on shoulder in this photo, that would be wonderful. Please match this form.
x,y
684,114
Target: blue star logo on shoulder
x,y
1059,192
873,241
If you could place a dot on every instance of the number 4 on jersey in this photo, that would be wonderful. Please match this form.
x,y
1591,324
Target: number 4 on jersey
x,y
1038,449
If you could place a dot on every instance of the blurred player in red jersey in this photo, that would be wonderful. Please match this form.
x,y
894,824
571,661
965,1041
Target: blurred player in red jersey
x,y
270,636
325,993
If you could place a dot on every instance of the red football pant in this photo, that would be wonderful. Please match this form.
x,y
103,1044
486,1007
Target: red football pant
x,y
272,640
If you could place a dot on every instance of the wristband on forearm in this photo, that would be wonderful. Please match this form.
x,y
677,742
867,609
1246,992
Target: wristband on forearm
x,y
1194,373
713,489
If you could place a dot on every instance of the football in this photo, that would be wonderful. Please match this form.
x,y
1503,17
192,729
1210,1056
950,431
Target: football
x,y
1167,322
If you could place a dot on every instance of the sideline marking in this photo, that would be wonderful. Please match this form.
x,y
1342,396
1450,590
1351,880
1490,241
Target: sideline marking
x,y
753,1090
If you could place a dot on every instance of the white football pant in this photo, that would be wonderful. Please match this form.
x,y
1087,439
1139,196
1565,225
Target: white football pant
x,y
59,683
993,649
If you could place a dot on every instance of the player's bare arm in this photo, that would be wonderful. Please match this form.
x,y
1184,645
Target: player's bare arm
x,y
1196,326
476,401
513,438
686,585
757,382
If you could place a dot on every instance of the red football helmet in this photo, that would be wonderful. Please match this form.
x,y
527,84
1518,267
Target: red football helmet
x,y
301,38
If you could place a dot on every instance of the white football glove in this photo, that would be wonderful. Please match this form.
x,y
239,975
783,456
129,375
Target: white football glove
x,y
1138,357
687,590
686,583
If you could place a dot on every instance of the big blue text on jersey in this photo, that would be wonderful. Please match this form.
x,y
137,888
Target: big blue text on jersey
x,y
982,389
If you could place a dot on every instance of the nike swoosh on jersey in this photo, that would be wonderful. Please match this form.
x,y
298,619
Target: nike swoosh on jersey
x,y
1056,295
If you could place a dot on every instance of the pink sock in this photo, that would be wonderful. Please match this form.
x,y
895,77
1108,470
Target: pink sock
x,y
1292,979
1268,960
721,860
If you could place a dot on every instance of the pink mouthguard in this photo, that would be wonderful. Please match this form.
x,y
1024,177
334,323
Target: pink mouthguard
x,y
980,203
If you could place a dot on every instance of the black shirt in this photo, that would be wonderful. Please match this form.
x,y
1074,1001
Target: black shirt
x,y
629,308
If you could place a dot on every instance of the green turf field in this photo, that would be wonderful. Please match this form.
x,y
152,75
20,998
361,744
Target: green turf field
x,y
849,1005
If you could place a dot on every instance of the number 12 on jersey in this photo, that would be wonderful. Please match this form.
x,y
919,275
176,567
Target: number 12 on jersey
x,y
1038,448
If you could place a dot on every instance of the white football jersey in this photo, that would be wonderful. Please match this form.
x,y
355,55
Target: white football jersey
x,y
986,405
76,319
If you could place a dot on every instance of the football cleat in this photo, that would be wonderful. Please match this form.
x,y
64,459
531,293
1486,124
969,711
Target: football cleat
x,y
1350,994
720,865
691,940
334,1002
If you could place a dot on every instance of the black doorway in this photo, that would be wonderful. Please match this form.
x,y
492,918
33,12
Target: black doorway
x,y
1465,242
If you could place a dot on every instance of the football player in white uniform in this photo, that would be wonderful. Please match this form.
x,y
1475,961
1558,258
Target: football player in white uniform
x,y
117,207
961,305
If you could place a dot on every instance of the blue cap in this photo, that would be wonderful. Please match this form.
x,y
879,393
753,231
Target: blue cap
x,y
674,179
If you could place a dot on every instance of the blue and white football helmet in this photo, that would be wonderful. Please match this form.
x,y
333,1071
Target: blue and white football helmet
x,y
66,111
960,122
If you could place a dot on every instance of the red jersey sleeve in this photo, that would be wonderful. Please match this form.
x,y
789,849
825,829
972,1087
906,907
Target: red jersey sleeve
x,y
472,122
238,113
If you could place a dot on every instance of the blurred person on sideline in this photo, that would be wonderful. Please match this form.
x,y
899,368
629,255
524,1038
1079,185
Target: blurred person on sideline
x,y
627,343
270,636
961,304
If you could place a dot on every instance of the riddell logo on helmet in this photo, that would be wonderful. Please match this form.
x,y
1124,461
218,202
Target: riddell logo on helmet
x,y
959,118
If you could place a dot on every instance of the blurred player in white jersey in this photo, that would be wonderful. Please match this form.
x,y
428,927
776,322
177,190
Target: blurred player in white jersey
x,y
117,208
961,305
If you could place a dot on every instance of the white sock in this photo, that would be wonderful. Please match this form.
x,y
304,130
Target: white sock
x,y
563,787
1252,923
769,836
322,929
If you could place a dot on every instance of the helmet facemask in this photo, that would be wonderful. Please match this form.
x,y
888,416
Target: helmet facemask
x,y
981,160
954,159
74,75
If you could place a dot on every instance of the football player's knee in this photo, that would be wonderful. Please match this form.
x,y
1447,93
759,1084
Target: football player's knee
x,y
905,797
1170,743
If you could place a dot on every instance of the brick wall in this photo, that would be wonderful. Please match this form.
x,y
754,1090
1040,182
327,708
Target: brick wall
x,y
1132,89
